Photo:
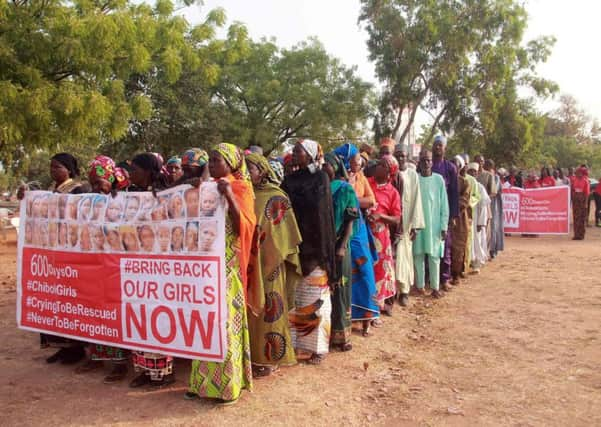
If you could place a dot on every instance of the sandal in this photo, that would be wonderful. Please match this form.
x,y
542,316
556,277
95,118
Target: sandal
x,y
315,359
140,380
261,371
366,330
223,402
56,356
118,373
165,381
346,347
377,323
190,395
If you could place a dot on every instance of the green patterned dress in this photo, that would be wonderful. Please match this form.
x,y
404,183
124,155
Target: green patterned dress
x,y
226,380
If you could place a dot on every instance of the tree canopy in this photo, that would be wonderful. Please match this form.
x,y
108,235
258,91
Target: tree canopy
x,y
462,62
120,77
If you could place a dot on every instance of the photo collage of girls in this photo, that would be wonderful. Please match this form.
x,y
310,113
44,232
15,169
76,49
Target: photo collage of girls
x,y
181,220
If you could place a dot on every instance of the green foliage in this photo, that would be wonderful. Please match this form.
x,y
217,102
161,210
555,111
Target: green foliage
x,y
270,94
462,62
118,77
64,69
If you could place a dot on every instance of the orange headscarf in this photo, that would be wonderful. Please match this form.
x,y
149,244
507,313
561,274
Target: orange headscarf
x,y
389,142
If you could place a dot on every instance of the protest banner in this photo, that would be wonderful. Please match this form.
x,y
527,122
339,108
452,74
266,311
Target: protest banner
x,y
537,210
133,271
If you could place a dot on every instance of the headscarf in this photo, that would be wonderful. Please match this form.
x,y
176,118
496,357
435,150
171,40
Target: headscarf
x,y
164,170
69,162
583,170
314,151
441,139
104,167
174,161
278,169
473,166
388,142
269,176
336,162
393,165
460,160
346,152
195,157
234,158
255,149
288,159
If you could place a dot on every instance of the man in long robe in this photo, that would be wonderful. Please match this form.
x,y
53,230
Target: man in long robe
x,y
479,222
474,200
413,221
496,240
462,226
430,241
448,171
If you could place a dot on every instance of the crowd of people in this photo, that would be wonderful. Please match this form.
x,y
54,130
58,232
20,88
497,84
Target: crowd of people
x,y
316,245
578,181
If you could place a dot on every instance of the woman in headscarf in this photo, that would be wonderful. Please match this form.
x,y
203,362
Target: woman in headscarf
x,y
463,225
386,214
226,380
275,269
309,190
106,178
346,214
194,168
174,168
363,252
147,174
581,189
64,171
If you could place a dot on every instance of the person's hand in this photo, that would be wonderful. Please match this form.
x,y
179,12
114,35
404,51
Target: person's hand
x,y
375,216
443,234
413,234
340,253
194,182
21,191
224,187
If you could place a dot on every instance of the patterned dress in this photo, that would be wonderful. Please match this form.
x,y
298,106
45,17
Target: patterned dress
x,y
226,380
275,270
388,202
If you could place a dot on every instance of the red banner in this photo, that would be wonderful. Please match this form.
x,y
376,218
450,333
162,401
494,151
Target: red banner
x,y
159,286
537,210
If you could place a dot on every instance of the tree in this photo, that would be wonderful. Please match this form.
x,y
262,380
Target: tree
x,y
65,66
453,59
272,94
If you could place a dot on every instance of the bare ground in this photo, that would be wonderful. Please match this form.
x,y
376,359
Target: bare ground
x,y
517,345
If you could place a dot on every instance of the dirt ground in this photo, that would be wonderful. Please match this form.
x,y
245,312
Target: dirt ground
x,y
517,345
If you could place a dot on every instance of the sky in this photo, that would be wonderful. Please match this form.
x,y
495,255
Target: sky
x,y
575,63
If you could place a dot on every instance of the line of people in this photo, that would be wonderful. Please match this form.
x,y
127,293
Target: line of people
x,y
315,244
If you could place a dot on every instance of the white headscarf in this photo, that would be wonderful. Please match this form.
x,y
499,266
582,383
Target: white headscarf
x,y
314,151
460,160
473,165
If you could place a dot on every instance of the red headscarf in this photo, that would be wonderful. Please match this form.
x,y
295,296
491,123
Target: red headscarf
x,y
104,167
393,165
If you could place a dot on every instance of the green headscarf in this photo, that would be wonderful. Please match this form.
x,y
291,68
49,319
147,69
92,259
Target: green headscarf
x,y
338,165
234,158
269,176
